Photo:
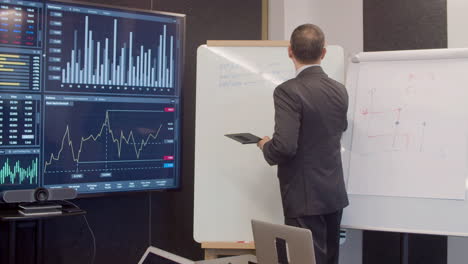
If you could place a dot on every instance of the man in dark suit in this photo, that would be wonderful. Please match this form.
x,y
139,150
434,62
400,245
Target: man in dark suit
x,y
310,117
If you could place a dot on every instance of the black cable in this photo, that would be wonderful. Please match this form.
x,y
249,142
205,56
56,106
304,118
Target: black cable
x,y
150,221
90,231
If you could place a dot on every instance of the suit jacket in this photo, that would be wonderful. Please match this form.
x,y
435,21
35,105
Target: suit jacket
x,y
310,117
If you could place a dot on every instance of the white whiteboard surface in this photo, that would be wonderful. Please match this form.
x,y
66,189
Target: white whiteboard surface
x,y
434,84
233,183
403,110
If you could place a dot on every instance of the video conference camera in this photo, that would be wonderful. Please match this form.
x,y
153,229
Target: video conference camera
x,y
37,195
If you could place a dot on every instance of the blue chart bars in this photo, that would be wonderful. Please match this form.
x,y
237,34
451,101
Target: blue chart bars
x,y
124,69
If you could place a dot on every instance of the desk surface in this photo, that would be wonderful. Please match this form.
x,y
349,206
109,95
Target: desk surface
x,y
228,245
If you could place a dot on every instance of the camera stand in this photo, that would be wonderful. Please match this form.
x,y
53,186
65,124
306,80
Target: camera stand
x,y
14,225
37,209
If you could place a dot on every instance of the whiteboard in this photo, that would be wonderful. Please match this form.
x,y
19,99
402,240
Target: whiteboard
x,y
233,182
427,194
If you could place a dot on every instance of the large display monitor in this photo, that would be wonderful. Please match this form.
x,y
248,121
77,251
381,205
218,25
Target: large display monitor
x,y
90,97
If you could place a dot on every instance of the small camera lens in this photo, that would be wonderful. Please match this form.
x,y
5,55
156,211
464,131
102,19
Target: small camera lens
x,y
41,194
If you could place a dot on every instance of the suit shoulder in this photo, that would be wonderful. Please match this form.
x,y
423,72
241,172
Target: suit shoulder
x,y
336,83
288,87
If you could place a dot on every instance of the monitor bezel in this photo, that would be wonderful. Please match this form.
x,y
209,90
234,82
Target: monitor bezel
x,y
182,18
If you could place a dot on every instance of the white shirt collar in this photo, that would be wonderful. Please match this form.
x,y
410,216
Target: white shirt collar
x,y
305,67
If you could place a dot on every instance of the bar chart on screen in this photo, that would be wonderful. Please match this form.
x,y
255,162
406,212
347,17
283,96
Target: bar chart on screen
x,y
21,45
20,70
106,53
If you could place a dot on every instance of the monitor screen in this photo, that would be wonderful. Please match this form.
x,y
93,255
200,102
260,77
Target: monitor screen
x,y
21,63
89,97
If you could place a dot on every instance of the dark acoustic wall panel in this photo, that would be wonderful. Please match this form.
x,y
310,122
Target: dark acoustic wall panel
x,y
121,222
381,246
206,20
120,225
405,24
427,249
4,246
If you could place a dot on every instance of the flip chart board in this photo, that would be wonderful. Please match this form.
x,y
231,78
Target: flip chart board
x,y
405,156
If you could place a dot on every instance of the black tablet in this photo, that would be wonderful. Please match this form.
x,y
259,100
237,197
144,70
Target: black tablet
x,y
244,138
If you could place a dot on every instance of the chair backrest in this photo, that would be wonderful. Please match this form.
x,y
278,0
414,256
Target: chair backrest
x,y
299,243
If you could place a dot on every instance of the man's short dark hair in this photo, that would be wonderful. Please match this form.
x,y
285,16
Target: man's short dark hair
x,y
307,43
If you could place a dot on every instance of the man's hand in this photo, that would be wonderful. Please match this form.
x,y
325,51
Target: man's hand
x,y
262,142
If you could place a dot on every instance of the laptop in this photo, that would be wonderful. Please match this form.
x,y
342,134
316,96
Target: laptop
x,y
155,255
282,244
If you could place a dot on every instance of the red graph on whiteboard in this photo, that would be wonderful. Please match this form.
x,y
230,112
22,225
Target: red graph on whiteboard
x,y
390,128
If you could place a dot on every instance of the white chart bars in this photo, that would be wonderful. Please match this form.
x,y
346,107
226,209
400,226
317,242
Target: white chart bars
x,y
145,70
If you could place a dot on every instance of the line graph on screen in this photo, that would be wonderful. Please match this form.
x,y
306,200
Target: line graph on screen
x,y
117,139
108,141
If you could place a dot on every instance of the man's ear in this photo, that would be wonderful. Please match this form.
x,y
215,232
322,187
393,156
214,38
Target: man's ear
x,y
324,52
290,53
